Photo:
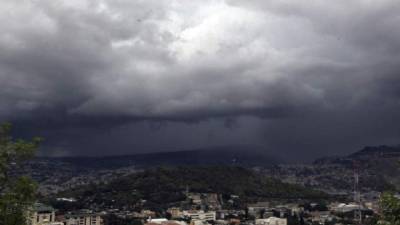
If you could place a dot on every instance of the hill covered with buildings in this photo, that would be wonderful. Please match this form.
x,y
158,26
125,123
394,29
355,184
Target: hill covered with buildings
x,y
163,187
377,166
228,185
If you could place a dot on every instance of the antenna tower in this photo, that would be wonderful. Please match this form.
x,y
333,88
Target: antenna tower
x,y
357,195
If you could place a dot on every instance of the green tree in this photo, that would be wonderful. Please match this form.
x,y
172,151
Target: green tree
x,y
390,209
17,193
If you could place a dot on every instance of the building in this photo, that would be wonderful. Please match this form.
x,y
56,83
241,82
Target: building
x,y
195,198
200,215
344,208
157,220
175,212
163,221
259,209
42,215
271,221
212,201
321,216
148,213
83,219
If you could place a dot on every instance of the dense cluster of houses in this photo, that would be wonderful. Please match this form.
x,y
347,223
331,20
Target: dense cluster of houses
x,y
260,213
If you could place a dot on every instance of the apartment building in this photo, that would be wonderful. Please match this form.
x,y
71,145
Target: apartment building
x,y
83,219
200,215
42,215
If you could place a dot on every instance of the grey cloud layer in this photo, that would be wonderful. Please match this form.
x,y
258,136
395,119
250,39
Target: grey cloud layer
x,y
180,61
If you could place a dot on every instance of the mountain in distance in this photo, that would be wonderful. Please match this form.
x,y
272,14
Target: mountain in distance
x,y
382,151
364,157
381,161
246,156
55,174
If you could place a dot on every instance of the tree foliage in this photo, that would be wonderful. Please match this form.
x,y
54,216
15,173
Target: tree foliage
x,y
17,193
390,209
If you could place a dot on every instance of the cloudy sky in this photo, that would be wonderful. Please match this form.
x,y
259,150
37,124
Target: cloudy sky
x,y
300,79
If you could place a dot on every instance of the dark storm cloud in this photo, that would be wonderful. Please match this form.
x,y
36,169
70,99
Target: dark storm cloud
x,y
283,74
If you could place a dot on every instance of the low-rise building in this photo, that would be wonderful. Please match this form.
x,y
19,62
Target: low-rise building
x,y
195,198
147,213
200,215
343,208
164,221
83,219
271,221
258,209
175,212
42,215
321,216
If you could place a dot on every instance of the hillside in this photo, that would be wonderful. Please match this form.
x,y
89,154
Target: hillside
x,y
382,151
376,162
368,153
166,186
55,174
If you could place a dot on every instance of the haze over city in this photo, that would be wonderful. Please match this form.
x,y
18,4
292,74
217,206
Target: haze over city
x,y
297,79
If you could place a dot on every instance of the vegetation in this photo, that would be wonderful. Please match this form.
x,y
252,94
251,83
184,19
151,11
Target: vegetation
x,y
17,193
162,186
390,207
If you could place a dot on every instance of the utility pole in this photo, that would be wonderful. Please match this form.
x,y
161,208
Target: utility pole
x,y
357,195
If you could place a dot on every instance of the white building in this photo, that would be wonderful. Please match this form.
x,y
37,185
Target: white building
x,y
342,207
157,220
272,221
200,215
